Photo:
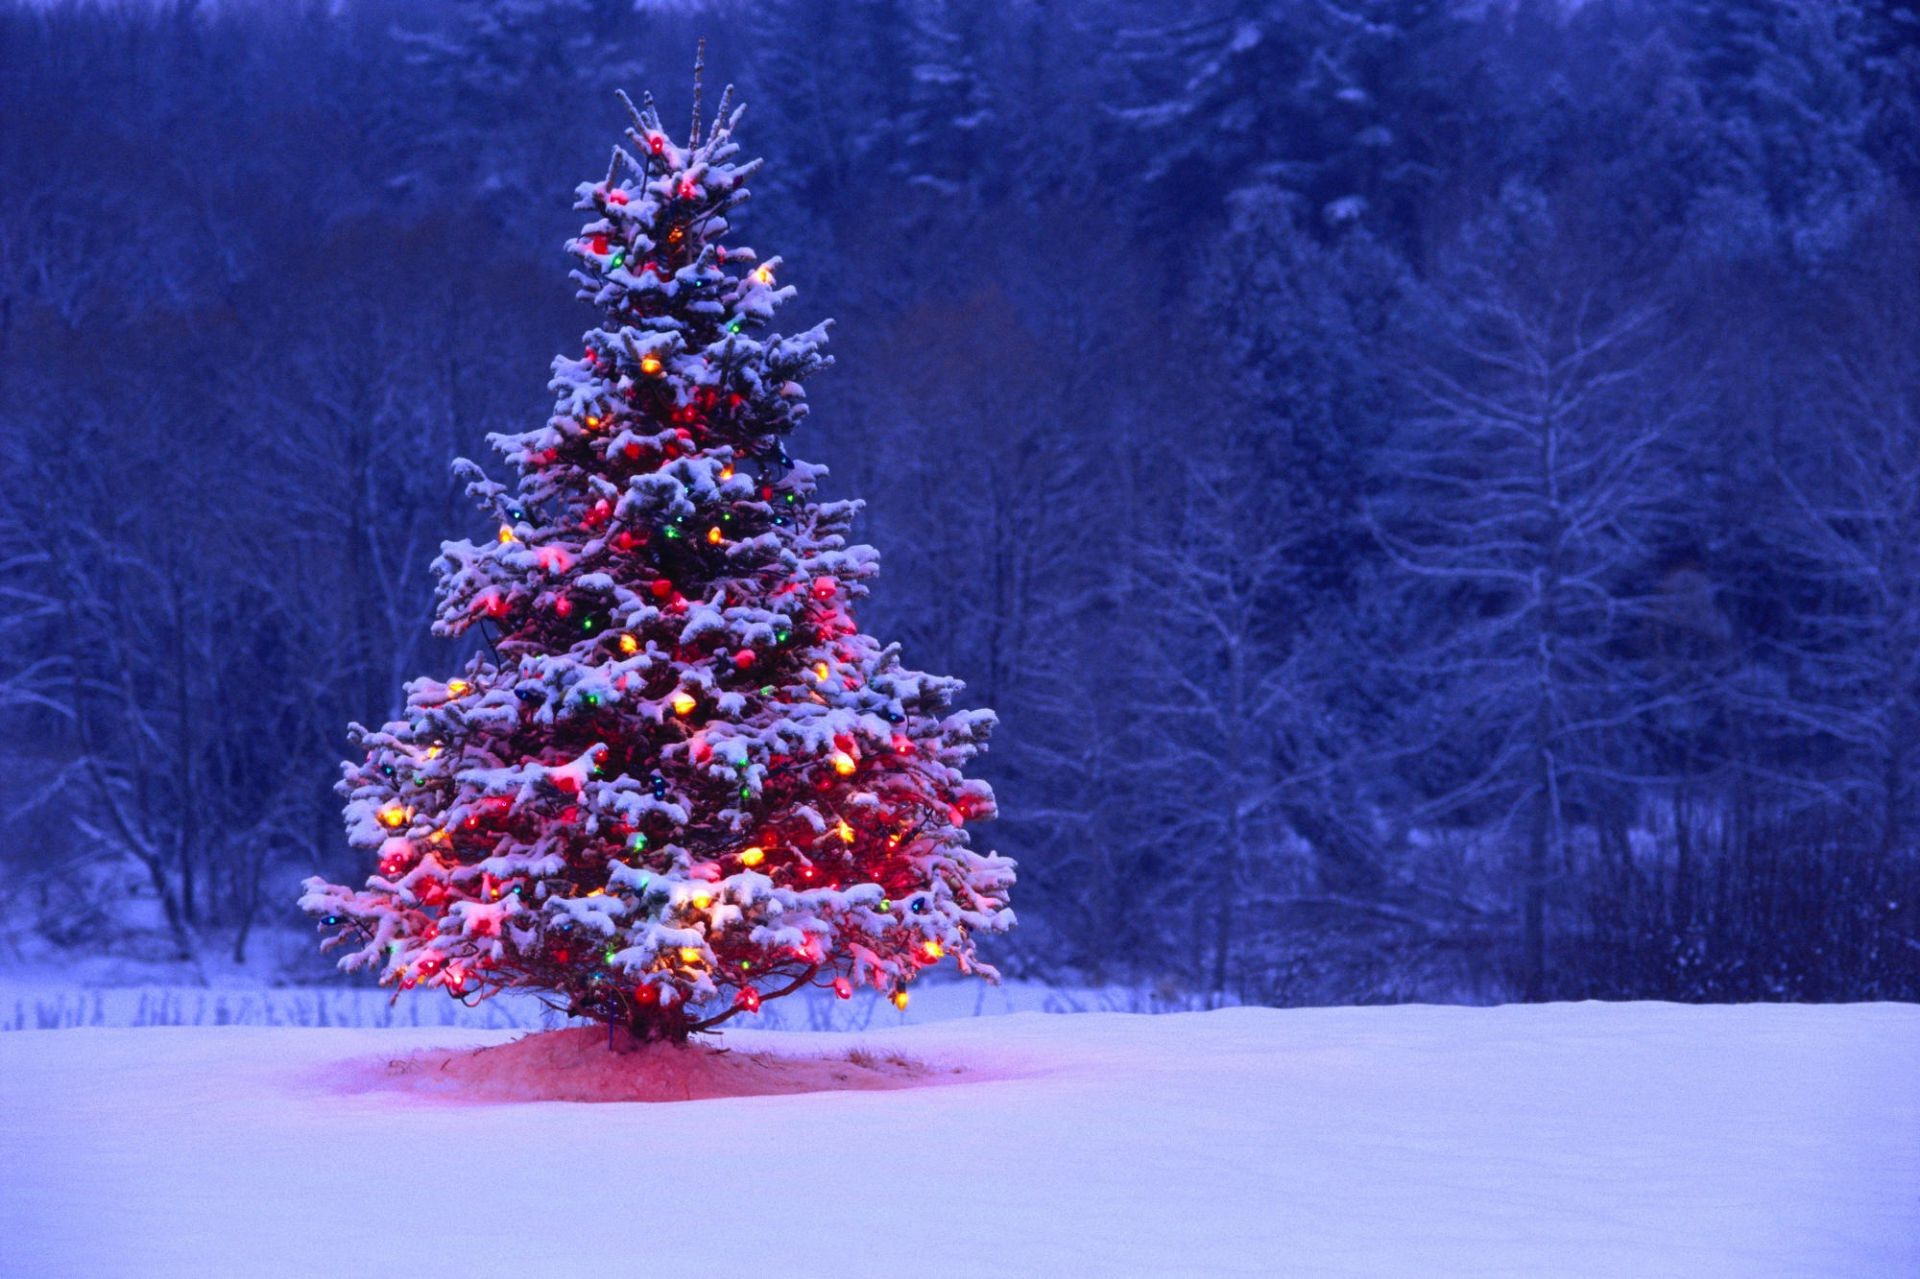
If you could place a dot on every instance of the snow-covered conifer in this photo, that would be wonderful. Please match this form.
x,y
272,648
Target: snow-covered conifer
x,y
681,780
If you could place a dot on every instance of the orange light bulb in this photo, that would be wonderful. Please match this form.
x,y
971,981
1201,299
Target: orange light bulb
x,y
629,645
650,365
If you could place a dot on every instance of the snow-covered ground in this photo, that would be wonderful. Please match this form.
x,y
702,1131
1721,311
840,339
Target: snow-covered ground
x,y
1588,1139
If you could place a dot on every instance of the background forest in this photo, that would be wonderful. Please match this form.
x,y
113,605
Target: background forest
x,y
1431,489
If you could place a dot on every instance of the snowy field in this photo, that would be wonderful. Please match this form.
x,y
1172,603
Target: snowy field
x,y
1589,1139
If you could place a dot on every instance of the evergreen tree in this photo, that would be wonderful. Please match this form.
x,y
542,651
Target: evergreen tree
x,y
682,781
944,144
1783,86
1215,96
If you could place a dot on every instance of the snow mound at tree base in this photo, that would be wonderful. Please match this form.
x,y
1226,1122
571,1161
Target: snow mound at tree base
x,y
585,1064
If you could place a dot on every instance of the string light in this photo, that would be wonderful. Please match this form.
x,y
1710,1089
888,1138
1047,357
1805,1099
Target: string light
x,y
844,831
843,988
393,816
900,1000
752,856
933,949
683,703
629,645
715,536
506,534
650,365
843,764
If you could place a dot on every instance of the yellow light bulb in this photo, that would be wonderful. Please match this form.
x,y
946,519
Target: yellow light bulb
x,y
458,688
506,534
393,816
650,365
843,764
715,536
689,954
752,856
764,275
683,703
934,949
845,832
726,472
629,645
820,671
701,901
900,1000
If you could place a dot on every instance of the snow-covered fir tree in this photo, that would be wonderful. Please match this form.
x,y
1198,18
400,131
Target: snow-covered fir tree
x,y
680,780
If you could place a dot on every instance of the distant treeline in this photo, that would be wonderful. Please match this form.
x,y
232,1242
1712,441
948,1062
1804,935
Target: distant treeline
x,y
1432,490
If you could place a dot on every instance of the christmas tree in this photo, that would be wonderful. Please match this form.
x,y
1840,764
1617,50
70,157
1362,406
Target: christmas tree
x,y
679,780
